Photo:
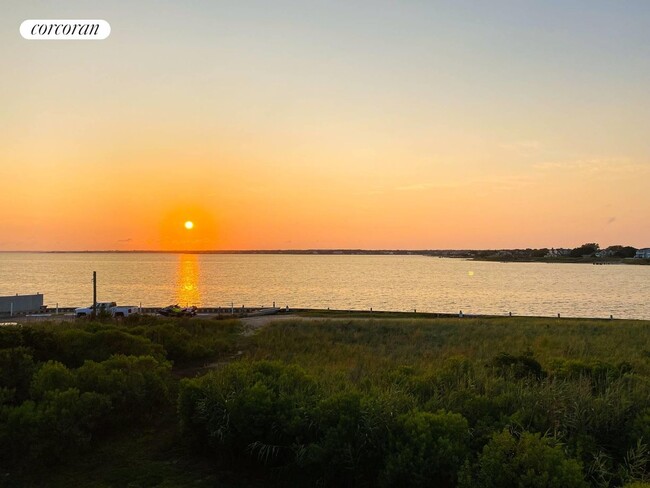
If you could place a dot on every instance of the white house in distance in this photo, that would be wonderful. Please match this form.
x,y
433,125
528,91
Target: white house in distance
x,y
557,253
643,253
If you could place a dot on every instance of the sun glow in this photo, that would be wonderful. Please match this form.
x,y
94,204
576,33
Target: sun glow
x,y
189,225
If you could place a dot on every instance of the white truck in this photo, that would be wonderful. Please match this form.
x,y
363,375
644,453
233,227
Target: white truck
x,y
107,307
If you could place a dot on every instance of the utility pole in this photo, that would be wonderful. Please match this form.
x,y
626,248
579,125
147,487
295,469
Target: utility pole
x,y
94,295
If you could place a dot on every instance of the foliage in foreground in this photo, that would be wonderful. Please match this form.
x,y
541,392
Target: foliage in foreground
x,y
431,403
62,386
443,402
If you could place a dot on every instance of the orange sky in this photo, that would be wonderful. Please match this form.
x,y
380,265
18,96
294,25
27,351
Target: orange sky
x,y
326,126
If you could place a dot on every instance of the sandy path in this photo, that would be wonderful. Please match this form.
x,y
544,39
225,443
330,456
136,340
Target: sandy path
x,y
253,324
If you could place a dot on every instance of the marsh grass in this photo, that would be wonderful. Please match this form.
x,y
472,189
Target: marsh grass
x,y
582,385
425,344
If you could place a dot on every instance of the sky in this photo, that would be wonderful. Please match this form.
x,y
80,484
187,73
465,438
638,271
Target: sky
x,y
327,124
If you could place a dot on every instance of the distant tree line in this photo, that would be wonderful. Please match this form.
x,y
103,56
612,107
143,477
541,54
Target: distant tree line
x,y
590,249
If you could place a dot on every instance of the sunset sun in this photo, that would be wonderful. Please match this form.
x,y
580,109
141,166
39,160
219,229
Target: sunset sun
x,y
189,225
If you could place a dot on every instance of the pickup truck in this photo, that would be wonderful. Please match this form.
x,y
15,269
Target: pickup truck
x,y
110,307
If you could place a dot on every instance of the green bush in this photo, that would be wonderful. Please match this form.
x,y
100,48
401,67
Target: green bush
x,y
49,377
45,432
258,410
352,438
16,370
526,461
186,341
77,345
11,336
136,385
427,449
523,366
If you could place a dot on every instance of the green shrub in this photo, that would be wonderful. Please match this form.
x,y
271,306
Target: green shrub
x,y
352,438
42,341
45,432
598,372
523,366
427,449
16,370
136,385
78,345
187,341
51,376
526,461
260,410
11,336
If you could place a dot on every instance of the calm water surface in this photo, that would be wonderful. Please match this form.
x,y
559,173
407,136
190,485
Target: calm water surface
x,y
344,282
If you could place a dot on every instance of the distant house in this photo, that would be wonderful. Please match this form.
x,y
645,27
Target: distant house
x,y
643,253
605,253
556,253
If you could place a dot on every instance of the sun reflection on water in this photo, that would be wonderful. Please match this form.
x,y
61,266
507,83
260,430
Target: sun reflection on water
x,y
187,281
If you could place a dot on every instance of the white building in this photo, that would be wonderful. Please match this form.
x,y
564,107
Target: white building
x,y
557,253
21,304
643,253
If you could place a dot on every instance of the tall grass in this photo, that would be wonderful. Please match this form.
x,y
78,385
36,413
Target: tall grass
x,y
582,385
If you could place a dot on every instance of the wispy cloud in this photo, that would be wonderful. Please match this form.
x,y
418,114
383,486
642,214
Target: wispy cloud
x,y
415,187
500,183
594,166
423,186
125,240
522,147
508,182
372,191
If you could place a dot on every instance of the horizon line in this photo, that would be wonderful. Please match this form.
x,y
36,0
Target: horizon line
x,y
271,251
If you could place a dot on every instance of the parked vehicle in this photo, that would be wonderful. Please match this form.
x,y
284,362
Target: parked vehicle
x,y
177,311
125,310
107,307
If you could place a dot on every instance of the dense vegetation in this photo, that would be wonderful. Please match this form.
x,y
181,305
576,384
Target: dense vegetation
x,y
446,402
424,402
64,386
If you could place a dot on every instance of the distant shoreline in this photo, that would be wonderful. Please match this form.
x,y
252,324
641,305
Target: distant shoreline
x,y
471,255
568,260
387,252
